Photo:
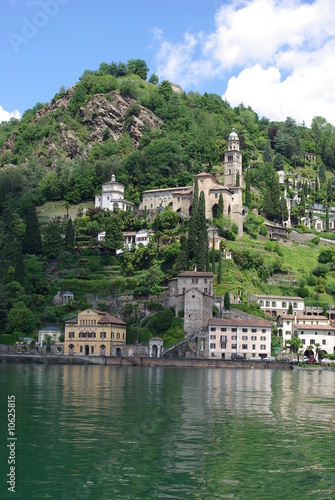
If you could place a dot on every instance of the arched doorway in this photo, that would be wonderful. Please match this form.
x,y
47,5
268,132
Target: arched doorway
x,y
87,350
102,350
118,352
71,349
214,210
154,351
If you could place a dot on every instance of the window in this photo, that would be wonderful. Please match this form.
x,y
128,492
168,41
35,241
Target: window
x,y
81,348
112,335
263,338
102,335
194,280
213,329
295,305
212,337
92,349
118,335
254,347
205,290
212,346
71,335
283,304
244,330
184,289
223,338
261,303
234,337
234,329
234,346
263,330
267,303
244,337
223,345
312,341
253,330
273,303
263,347
223,329
303,341
205,281
253,337
245,346
324,342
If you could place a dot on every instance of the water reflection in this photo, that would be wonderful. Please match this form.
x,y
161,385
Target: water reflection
x,y
117,432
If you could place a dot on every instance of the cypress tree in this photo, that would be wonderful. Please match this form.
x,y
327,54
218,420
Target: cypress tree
x,y
247,189
69,236
219,214
302,202
53,243
213,255
226,301
193,226
284,210
182,259
220,270
327,219
275,196
19,267
329,191
267,203
32,242
201,252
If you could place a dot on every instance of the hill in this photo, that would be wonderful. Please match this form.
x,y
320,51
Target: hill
x,y
150,135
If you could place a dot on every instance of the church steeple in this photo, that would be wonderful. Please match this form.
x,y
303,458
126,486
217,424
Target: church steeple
x,y
233,161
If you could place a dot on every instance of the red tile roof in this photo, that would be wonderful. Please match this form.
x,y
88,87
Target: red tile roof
x,y
239,322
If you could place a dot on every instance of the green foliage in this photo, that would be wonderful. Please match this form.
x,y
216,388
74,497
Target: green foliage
x,y
20,319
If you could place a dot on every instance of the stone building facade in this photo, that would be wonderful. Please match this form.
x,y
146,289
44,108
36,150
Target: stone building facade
x,y
180,198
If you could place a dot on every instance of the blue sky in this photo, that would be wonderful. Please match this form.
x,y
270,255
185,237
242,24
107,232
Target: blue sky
x,y
277,56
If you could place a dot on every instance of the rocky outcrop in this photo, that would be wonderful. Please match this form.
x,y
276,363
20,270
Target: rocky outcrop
x,y
102,113
61,103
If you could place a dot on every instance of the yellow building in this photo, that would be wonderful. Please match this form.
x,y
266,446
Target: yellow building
x,y
94,333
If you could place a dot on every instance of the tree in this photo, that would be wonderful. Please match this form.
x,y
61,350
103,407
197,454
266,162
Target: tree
x,y
294,344
153,79
20,319
138,67
268,153
247,189
220,269
53,242
182,259
19,268
219,214
329,191
201,252
114,236
32,242
69,236
193,226
226,301
322,173
284,210
327,219
290,308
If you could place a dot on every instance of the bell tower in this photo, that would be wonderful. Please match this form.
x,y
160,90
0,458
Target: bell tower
x,y
233,161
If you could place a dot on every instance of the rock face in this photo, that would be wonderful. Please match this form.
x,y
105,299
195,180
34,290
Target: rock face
x,y
103,114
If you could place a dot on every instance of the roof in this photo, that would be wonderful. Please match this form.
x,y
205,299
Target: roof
x,y
240,322
50,329
156,338
107,318
195,274
303,317
233,134
277,297
315,327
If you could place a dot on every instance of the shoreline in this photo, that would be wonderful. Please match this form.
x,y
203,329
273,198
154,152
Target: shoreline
x,y
141,361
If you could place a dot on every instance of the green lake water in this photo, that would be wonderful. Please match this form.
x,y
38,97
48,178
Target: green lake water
x,y
96,432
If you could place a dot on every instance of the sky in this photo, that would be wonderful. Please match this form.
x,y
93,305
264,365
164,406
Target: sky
x,y
276,56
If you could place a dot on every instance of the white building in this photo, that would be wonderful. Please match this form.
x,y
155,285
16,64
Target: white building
x,y
112,197
143,237
52,331
288,324
247,337
275,305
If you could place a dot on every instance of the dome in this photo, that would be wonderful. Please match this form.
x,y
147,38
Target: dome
x,y
233,135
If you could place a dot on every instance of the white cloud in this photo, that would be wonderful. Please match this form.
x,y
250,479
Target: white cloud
x,y
7,115
277,56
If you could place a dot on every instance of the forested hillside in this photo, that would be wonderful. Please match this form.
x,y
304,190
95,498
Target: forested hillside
x,y
150,134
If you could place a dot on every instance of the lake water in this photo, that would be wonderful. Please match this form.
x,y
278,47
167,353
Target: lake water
x,y
96,432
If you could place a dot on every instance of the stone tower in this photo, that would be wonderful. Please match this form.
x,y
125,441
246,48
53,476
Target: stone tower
x,y
233,161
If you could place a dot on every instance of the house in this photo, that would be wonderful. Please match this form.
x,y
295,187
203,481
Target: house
x,y
67,297
52,331
247,337
321,334
192,292
143,237
180,198
281,176
310,156
332,224
288,324
275,305
318,223
276,232
219,242
112,197
95,333
155,347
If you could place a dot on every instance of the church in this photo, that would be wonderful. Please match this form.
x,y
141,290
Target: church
x,y
180,198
